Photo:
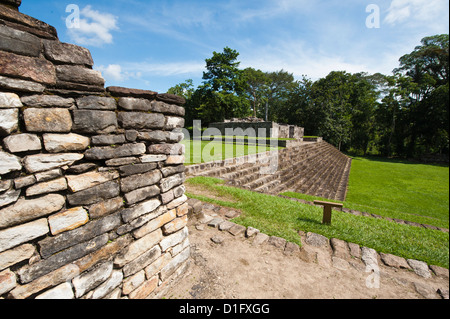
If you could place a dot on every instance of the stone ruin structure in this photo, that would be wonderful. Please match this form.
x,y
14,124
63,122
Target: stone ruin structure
x,y
271,129
92,200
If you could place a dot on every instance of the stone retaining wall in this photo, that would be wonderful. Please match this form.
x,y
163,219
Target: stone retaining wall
x,y
92,200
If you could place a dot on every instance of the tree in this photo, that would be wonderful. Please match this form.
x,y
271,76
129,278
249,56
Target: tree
x,y
256,88
427,67
221,94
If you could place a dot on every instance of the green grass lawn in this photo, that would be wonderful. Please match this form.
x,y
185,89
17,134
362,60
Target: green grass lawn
x,y
208,151
284,218
398,189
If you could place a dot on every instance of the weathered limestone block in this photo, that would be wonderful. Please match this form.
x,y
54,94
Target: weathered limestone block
x,y
139,121
94,122
157,265
394,261
174,122
137,248
14,3
52,245
177,202
48,120
68,220
153,158
144,208
63,291
45,266
38,27
27,68
9,100
79,74
9,163
44,162
67,53
92,279
171,170
141,194
133,104
16,41
136,169
175,159
133,282
5,185
16,255
420,268
58,143
175,225
127,92
142,261
14,236
174,239
96,103
81,182
154,136
108,152
48,175
108,139
7,281
340,248
25,181
175,263
9,121
108,286
95,194
145,289
133,182
171,182
53,186
22,143
10,197
52,279
20,85
29,209
105,208
140,221
161,107
155,223
166,149
171,99
47,101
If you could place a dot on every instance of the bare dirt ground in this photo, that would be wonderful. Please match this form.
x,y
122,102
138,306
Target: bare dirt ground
x,y
236,268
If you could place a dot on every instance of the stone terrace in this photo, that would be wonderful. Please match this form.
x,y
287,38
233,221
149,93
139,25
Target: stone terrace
x,y
313,168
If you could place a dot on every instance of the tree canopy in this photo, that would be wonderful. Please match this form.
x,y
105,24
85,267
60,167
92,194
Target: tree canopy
x,y
402,114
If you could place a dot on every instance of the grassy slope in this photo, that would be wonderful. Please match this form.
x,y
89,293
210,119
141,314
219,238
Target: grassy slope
x,y
206,151
397,189
281,217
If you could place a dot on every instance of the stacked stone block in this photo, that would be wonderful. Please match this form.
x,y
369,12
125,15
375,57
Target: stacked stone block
x,y
92,200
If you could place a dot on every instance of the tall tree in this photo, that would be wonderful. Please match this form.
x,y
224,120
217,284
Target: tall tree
x,y
428,69
221,94
256,88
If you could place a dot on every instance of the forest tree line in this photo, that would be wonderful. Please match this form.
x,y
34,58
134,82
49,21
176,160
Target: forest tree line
x,y
405,114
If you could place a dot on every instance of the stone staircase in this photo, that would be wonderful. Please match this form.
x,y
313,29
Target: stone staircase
x,y
316,169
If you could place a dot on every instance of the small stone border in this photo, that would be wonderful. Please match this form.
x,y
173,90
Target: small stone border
x,y
218,217
358,213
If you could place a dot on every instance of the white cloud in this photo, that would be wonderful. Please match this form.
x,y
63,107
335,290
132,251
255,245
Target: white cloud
x,y
432,12
115,73
94,28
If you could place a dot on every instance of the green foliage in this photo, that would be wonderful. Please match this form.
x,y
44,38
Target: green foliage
x,y
281,217
406,114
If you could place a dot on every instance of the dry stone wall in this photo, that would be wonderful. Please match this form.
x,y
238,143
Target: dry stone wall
x,y
92,200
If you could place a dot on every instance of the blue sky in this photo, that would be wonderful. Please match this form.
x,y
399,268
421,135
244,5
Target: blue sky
x,y
155,45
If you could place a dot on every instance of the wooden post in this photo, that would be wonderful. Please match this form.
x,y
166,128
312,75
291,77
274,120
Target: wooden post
x,y
327,206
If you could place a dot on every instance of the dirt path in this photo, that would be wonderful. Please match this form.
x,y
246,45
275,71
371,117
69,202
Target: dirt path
x,y
237,268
